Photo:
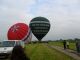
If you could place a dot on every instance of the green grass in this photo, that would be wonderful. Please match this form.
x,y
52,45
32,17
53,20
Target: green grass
x,y
72,45
56,44
42,52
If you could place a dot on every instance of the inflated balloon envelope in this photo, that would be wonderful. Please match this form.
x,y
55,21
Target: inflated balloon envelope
x,y
19,31
39,27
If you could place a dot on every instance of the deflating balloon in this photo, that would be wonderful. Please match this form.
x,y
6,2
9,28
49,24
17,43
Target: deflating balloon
x,y
28,38
19,31
39,27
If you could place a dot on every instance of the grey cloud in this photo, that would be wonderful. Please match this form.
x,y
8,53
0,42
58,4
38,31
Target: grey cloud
x,y
64,16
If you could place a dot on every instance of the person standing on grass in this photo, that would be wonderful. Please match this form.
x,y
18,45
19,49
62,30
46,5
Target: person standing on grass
x,y
64,44
78,46
67,44
18,53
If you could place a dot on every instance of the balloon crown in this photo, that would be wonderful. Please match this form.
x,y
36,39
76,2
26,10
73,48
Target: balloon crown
x,y
15,28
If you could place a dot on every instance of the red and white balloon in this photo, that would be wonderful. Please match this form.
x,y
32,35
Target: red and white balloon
x,y
20,31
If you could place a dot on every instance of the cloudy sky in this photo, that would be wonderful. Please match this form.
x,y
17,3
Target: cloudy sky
x,y
64,16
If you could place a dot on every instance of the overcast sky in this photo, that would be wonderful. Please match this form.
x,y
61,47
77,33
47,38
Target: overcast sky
x,y
64,16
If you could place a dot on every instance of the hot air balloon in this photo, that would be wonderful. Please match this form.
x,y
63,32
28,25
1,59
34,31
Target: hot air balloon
x,y
19,31
39,27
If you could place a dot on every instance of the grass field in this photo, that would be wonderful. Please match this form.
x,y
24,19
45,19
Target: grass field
x,y
72,45
42,52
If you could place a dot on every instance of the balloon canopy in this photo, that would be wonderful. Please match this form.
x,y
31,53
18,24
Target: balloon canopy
x,y
18,31
39,27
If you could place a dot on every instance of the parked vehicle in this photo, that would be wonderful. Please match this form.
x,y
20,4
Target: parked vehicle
x,y
6,47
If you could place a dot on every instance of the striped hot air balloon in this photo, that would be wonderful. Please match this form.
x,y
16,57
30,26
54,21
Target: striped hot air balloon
x,y
19,31
40,26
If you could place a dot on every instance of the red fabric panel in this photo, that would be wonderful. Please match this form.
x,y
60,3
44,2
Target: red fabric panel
x,y
18,31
